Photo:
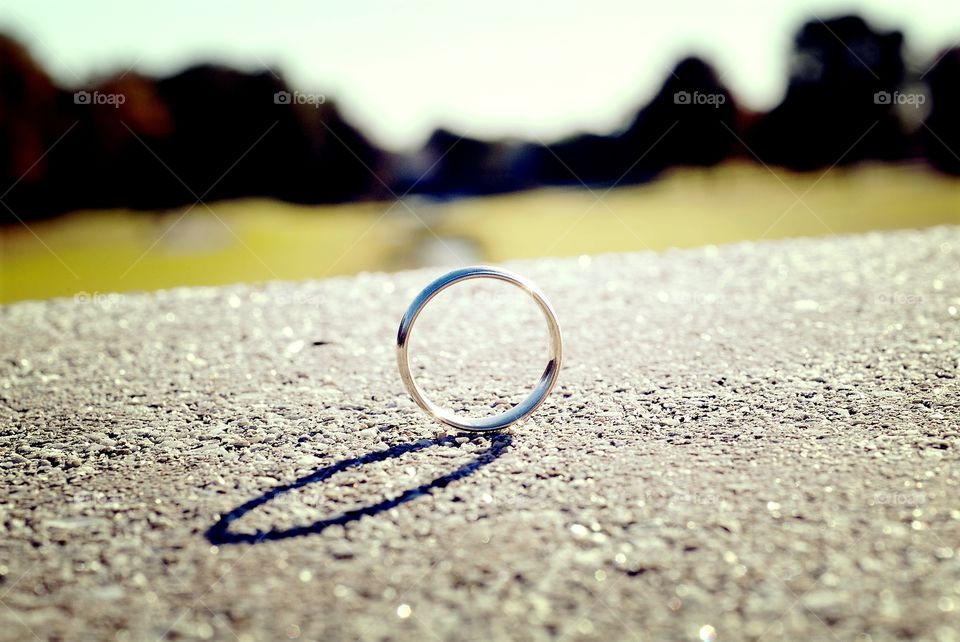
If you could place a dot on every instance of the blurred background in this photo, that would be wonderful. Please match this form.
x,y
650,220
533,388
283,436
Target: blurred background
x,y
183,143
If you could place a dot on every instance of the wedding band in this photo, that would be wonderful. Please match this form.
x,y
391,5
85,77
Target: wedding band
x,y
520,411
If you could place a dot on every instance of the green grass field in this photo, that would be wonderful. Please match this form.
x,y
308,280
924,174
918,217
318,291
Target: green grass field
x,y
256,240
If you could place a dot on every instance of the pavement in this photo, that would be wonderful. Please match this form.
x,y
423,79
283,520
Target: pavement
x,y
756,441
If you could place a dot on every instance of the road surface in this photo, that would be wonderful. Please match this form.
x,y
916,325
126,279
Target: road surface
x,y
757,441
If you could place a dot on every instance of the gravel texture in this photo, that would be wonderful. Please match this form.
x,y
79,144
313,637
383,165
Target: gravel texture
x,y
757,441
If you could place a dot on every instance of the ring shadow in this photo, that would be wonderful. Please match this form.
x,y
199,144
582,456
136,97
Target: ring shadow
x,y
220,532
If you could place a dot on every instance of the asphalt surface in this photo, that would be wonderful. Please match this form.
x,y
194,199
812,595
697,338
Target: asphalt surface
x,y
757,441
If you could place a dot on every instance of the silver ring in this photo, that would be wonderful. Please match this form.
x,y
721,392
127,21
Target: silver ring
x,y
520,411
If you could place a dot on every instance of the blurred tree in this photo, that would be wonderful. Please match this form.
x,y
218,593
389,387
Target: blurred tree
x,y
941,136
689,122
837,108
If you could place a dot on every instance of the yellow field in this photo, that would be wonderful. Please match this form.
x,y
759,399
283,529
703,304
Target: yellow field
x,y
258,240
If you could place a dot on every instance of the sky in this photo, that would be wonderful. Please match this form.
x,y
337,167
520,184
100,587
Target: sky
x,y
400,68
